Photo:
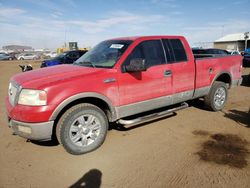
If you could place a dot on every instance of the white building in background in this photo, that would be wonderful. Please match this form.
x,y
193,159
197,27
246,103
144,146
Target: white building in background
x,y
16,48
42,50
231,42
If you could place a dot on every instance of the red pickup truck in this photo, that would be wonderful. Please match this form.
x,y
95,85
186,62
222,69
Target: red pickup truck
x,y
114,81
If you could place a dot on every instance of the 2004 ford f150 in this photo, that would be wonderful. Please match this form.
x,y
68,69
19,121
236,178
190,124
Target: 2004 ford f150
x,y
118,78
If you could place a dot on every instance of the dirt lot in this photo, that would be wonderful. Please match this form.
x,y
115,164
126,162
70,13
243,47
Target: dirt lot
x,y
195,148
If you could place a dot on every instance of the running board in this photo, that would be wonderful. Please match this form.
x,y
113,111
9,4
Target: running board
x,y
152,116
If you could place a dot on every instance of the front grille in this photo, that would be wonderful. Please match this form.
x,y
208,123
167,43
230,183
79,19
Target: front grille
x,y
13,93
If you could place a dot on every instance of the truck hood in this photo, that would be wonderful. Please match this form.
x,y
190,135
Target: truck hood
x,y
38,78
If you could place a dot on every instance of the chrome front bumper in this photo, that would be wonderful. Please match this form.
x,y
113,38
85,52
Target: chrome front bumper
x,y
32,131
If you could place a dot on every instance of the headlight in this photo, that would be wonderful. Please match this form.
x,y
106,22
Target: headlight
x,y
32,97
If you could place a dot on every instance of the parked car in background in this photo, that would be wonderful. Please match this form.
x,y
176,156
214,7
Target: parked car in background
x,y
4,56
13,55
210,51
67,57
246,59
50,55
234,52
28,56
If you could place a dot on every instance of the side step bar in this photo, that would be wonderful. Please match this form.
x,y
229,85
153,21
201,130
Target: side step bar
x,y
152,116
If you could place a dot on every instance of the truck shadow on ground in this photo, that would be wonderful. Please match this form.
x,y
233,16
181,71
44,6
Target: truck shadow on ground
x,y
240,117
198,103
92,179
49,143
246,80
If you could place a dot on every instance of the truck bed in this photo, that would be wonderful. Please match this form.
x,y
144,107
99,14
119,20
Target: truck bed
x,y
209,67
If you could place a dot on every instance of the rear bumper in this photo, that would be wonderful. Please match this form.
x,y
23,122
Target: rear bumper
x,y
32,131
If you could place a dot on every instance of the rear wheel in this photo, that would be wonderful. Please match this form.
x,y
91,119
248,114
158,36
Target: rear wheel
x,y
82,129
217,96
21,58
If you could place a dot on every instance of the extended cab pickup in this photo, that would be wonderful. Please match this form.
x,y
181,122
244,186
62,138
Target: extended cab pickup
x,y
117,79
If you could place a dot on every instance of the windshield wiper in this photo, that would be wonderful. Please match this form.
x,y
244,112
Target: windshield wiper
x,y
86,63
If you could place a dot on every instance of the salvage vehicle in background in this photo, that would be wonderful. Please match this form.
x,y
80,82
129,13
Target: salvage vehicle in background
x,y
210,52
246,59
4,56
234,52
119,81
27,56
50,55
67,57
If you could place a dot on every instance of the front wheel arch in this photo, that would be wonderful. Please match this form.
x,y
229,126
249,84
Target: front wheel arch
x,y
93,98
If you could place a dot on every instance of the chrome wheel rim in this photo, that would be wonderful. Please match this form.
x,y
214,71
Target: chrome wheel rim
x,y
85,130
220,97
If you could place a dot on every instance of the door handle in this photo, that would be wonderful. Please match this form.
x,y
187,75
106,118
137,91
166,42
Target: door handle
x,y
167,73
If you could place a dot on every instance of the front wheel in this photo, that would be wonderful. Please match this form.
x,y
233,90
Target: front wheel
x,y
82,128
217,96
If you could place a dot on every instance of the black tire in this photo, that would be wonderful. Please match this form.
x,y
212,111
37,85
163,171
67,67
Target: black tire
x,y
21,58
70,119
212,100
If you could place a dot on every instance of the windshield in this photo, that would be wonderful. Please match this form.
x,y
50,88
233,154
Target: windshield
x,y
105,54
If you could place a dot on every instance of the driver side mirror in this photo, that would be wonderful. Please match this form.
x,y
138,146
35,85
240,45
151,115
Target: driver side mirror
x,y
135,65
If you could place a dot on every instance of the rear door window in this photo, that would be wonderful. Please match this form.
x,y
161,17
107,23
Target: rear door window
x,y
178,49
175,51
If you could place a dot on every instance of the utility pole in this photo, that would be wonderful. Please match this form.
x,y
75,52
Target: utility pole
x,y
246,36
65,34
222,32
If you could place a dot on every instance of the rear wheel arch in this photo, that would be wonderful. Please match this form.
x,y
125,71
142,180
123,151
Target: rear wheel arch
x,y
224,77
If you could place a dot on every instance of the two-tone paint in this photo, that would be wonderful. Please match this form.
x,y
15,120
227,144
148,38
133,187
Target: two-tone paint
x,y
119,93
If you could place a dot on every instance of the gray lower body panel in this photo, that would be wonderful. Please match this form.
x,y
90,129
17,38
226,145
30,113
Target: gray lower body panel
x,y
33,131
139,107
201,92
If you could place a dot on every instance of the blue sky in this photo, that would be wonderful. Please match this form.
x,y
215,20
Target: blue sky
x,y
47,23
